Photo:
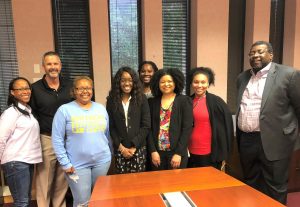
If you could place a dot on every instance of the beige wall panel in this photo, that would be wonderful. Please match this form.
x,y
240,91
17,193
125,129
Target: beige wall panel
x,y
34,35
212,40
100,48
257,24
152,31
297,37
289,33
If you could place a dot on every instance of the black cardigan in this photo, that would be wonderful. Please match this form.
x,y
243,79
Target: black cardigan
x,y
181,124
221,126
134,135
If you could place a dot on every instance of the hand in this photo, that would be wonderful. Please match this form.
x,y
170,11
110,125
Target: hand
x,y
155,159
176,160
132,150
70,170
126,153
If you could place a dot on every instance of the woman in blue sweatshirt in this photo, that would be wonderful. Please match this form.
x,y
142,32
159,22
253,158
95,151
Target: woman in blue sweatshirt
x,y
80,138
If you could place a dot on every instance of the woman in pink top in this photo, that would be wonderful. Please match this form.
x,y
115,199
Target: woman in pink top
x,y
20,146
212,135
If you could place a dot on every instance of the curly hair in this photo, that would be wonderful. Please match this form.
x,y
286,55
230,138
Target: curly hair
x,y
208,72
115,93
153,65
176,75
11,100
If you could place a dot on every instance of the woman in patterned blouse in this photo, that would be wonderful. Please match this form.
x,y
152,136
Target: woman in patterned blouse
x,y
171,120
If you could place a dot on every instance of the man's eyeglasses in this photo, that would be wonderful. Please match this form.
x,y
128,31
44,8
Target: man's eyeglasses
x,y
81,90
259,52
21,89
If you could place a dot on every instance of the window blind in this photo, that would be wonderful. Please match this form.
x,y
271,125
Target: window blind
x,y
8,54
72,36
125,33
176,34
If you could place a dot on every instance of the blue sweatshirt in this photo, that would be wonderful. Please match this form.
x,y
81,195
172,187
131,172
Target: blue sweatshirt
x,y
80,137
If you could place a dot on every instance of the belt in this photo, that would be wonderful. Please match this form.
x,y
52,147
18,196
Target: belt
x,y
46,133
255,133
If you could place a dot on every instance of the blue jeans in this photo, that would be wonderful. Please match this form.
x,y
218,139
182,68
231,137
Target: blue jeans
x,y
82,187
18,176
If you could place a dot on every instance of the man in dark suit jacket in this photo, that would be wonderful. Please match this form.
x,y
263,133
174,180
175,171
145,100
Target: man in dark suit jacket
x,y
267,121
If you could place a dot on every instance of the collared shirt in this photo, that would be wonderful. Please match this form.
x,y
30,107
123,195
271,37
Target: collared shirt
x,y
126,107
45,101
19,136
248,118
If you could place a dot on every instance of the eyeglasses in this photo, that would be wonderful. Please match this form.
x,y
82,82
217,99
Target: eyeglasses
x,y
259,52
126,81
21,89
81,90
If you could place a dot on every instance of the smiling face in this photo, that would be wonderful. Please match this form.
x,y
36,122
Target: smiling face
x,y
259,57
83,91
200,84
52,66
21,91
146,73
126,83
166,84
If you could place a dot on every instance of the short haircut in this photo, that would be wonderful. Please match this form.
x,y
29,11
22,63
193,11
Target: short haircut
x,y
176,75
261,42
49,53
208,72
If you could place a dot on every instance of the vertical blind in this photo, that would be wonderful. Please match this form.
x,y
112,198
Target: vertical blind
x,y
176,34
8,54
72,36
125,37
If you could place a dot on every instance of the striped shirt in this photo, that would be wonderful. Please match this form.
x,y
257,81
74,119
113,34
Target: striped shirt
x,y
248,118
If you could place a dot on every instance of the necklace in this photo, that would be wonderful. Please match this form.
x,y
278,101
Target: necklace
x,y
198,100
166,109
167,101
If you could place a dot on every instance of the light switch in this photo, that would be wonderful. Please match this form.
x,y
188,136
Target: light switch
x,y
36,68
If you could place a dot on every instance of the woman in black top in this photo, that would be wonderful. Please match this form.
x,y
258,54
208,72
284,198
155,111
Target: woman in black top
x,y
129,121
171,120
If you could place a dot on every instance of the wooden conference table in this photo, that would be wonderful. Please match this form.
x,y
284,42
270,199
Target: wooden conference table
x,y
207,187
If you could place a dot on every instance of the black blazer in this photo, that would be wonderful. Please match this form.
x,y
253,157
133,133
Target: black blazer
x,y
180,125
221,127
134,135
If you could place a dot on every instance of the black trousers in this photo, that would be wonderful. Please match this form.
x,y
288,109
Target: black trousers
x,y
202,161
269,177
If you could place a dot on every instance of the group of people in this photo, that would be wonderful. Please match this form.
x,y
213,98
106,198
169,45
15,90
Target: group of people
x,y
148,124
